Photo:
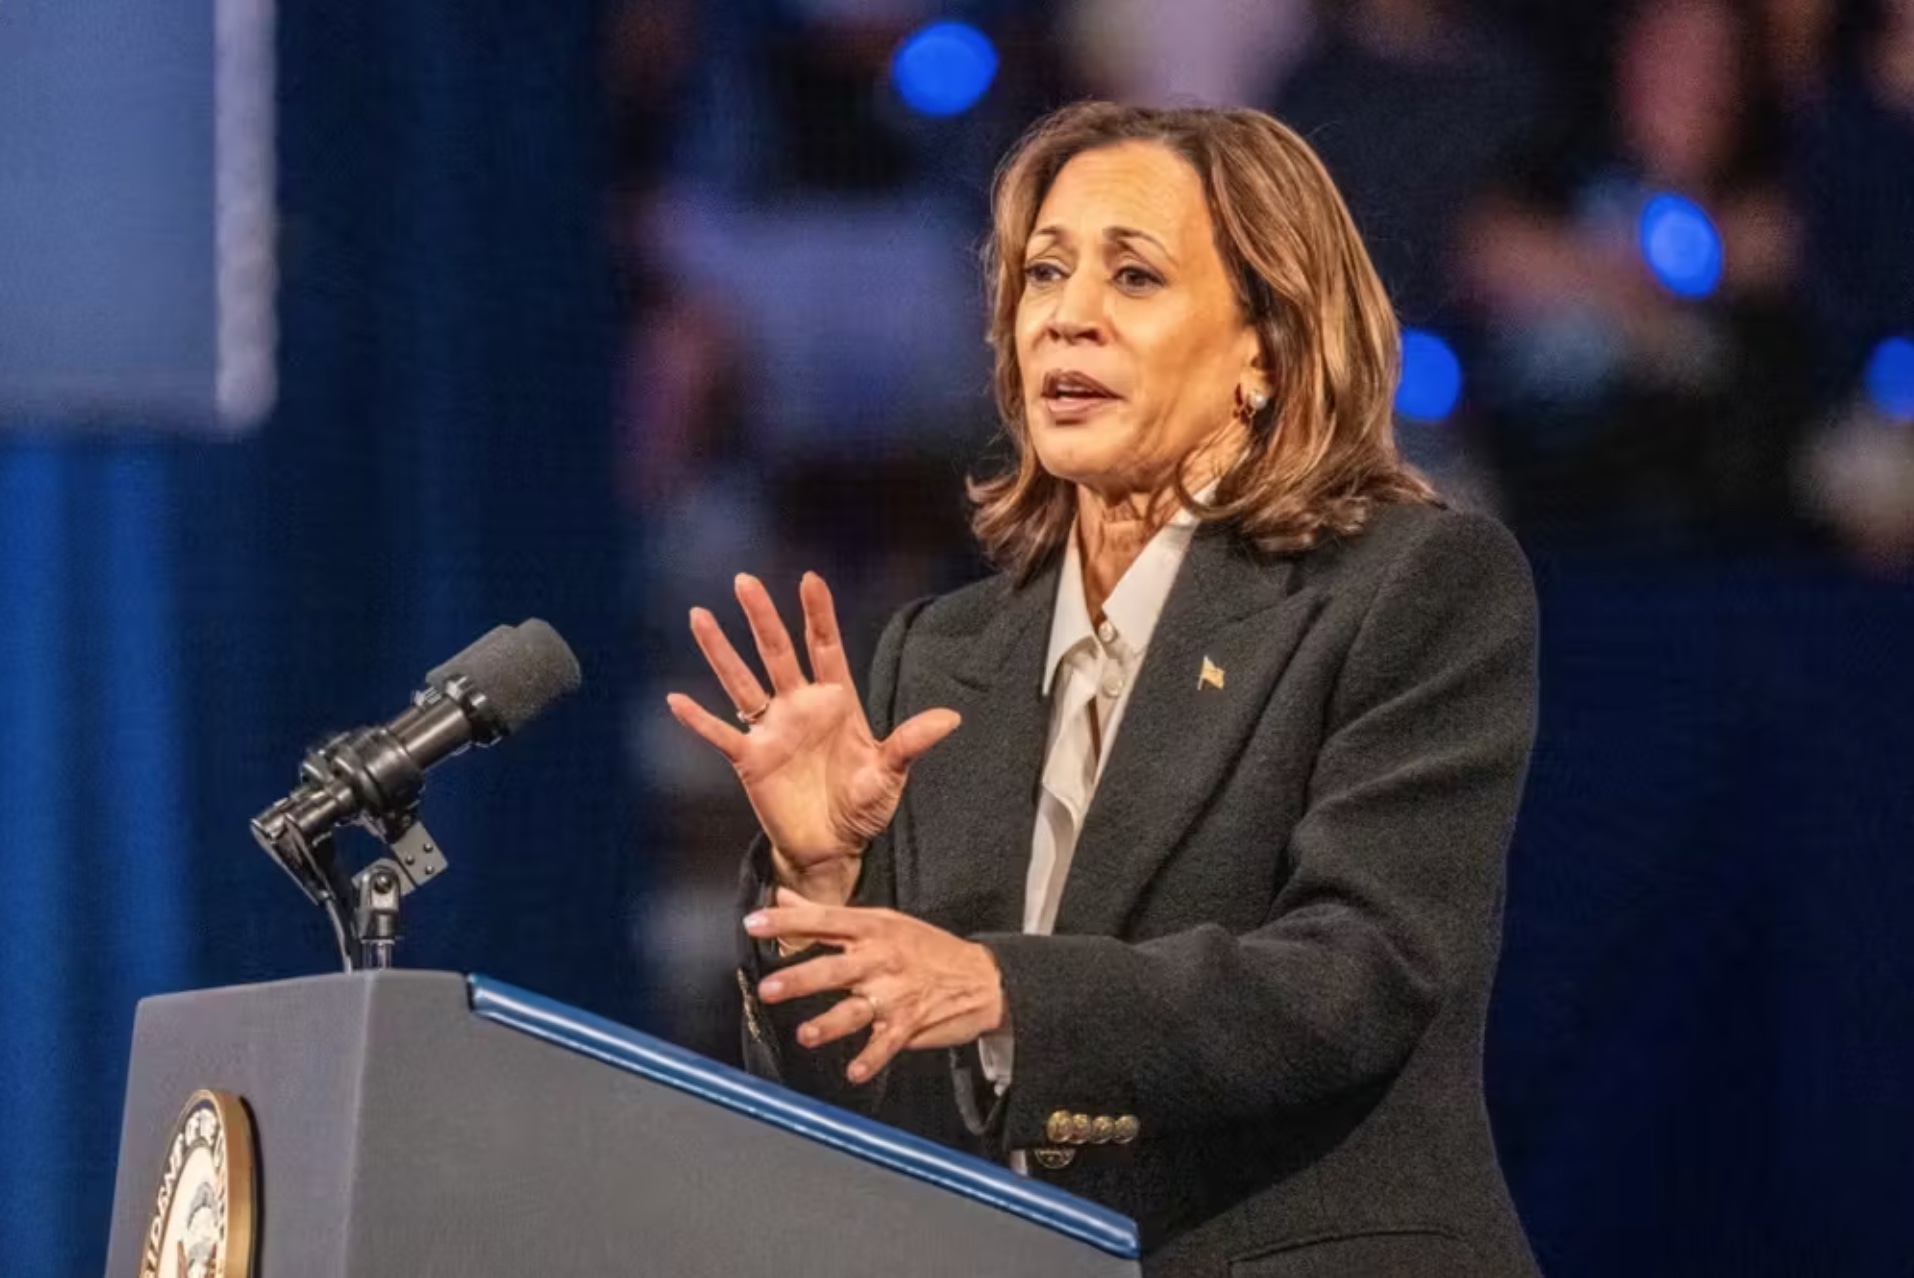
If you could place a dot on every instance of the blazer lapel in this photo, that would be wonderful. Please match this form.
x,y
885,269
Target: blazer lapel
x,y
963,850
1229,619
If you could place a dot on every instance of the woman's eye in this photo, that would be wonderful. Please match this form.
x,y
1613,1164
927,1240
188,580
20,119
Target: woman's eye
x,y
1136,278
1042,273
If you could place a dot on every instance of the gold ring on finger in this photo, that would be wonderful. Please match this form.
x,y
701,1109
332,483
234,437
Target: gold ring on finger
x,y
877,1008
749,717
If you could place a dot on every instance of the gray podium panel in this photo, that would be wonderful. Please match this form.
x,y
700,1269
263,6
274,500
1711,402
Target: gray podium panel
x,y
401,1133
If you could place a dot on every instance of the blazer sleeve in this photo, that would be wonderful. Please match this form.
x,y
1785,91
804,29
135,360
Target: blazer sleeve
x,y
770,1029
1392,903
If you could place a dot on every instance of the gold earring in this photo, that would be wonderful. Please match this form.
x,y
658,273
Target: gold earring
x,y
1249,404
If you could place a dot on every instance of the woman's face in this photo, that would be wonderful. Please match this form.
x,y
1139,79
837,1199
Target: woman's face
x,y
1129,337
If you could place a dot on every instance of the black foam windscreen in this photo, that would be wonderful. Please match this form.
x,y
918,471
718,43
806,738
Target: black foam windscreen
x,y
520,670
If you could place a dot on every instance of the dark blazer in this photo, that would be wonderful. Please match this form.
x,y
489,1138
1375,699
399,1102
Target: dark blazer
x,y
1276,943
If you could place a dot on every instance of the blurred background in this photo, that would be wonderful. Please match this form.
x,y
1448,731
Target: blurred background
x,y
332,336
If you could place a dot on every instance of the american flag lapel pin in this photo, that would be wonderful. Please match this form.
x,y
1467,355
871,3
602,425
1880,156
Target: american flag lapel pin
x,y
1212,676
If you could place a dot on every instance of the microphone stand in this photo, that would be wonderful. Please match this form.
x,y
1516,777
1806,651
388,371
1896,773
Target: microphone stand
x,y
298,832
379,888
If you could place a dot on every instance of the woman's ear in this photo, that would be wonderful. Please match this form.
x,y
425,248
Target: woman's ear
x,y
1256,388
1255,374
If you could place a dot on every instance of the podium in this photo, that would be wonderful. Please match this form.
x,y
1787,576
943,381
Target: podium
x,y
424,1123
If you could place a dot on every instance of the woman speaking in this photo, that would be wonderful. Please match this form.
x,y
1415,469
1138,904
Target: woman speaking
x,y
1166,865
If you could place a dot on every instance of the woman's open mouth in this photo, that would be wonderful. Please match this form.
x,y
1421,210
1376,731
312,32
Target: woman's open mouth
x,y
1072,396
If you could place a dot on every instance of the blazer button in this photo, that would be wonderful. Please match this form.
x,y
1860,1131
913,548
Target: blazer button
x,y
1079,1129
1126,1129
1056,1128
1055,1159
1102,1129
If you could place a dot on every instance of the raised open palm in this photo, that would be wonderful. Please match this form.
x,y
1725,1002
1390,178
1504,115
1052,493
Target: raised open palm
x,y
822,785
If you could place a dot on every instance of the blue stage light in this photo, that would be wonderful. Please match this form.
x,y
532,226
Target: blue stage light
x,y
942,69
1890,378
1431,377
1681,245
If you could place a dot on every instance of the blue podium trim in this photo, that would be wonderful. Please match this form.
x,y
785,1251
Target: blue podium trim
x,y
909,1155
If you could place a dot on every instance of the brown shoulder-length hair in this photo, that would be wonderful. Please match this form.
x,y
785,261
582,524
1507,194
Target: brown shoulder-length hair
x,y
1323,452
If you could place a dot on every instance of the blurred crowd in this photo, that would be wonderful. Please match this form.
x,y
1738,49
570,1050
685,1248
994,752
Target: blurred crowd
x,y
805,378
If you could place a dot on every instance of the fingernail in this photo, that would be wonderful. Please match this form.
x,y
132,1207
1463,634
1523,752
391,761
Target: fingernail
x,y
808,1034
771,988
857,1072
755,923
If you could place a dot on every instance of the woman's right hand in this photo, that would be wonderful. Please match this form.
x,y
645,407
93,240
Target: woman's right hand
x,y
822,786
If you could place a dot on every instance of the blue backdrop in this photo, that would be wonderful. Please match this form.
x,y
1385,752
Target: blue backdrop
x,y
181,619
1700,1037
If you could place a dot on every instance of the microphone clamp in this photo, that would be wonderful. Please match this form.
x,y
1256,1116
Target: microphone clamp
x,y
373,777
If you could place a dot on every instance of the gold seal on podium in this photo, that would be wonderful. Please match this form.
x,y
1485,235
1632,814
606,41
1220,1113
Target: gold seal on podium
x,y
202,1224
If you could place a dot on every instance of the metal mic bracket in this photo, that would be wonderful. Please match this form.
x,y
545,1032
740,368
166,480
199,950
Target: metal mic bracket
x,y
419,858
337,780
381,886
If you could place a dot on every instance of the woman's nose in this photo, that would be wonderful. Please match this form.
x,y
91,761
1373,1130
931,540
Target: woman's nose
x,y
1077,317
1065,329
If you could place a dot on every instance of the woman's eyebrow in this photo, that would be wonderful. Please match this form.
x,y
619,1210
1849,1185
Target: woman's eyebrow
x,y
1111,234
1051,232
1119,234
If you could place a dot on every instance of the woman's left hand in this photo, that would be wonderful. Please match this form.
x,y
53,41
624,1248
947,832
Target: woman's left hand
x,y
914,985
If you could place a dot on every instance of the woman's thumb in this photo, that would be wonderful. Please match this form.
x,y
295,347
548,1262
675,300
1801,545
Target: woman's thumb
x,y
916,735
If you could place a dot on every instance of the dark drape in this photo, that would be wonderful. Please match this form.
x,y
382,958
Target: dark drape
x,y
1700,1038
180,619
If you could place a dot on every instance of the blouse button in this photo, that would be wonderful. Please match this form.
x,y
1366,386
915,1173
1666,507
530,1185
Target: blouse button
x,y
1112,684
1107,632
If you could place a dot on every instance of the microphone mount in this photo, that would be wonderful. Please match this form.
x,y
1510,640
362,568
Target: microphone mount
x,y
367,778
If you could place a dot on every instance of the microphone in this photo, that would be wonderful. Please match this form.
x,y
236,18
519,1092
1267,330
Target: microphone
x,y
373,776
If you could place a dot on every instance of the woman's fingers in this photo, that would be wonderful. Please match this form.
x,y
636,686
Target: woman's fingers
x,y
888,1035
887,1040
728,740
740,684
815,976
914,737
821,638
774,641
836,924
912,984
847,1018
